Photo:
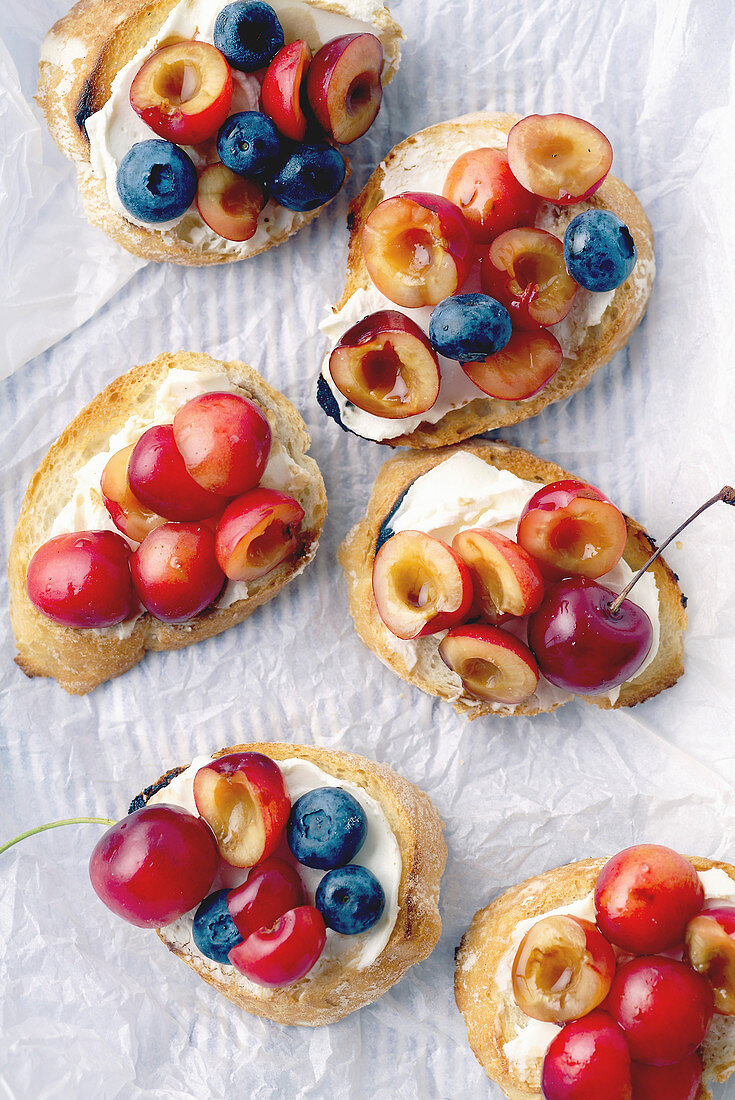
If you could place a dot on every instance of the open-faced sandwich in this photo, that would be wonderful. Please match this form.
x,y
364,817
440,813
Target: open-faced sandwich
x,y
605,980
494,266
175,504
300,882
492,578
205,131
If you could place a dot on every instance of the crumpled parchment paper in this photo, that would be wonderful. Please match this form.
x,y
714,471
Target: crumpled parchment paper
x,y
94,1008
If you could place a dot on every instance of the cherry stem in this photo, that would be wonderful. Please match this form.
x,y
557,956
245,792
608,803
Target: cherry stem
x,y
727,494
55,825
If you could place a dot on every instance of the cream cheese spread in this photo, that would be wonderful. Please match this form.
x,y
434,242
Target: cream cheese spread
x,y
464,492
115,128
380,854
533,1038
86,511
423,166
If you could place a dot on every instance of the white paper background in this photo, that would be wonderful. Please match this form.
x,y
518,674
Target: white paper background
x,y
93,1008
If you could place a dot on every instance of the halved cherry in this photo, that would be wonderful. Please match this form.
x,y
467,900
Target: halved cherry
x,y
228,203
126,511
224,440
183,92
709,947
491,663
244,800
523,367
505,578
270,890
386,366
417,248
344,86
563,969
572,528
559,157
492,200
420,585
258,531
525,270
282,954
160,481
175,572
282,87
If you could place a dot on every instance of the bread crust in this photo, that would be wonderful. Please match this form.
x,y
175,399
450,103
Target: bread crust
x,y
357,553
82,659
491,1014
601,342
80,57
336,991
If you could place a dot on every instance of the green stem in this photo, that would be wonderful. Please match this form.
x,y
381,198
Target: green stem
x,y
55,825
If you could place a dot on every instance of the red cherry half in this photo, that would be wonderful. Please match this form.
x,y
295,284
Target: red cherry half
x,y
523,367
492,200
269,891
417,248
183,92
644,898
282,954
559,157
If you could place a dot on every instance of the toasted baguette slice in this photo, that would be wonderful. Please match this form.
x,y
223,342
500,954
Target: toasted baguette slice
x,y
82,659
420,163
491,1013
80,58
337,989
357,553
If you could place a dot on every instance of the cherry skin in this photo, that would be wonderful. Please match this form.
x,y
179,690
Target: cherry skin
x,y
269,891
154,865
224,440
680,1081
492,200
284,953
159,479
175,571
644,898
587,1060
663,1007
579,645
82,579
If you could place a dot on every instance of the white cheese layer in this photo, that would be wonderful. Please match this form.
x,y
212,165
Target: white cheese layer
x,y
380,854
114,129
464,492
86,511
423,166
533,1038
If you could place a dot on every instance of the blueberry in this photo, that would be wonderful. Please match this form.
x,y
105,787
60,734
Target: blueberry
x,y
156,181
248,34
469,327
350,899
310,176
214,930
599,250
386,531
326,828
248,143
